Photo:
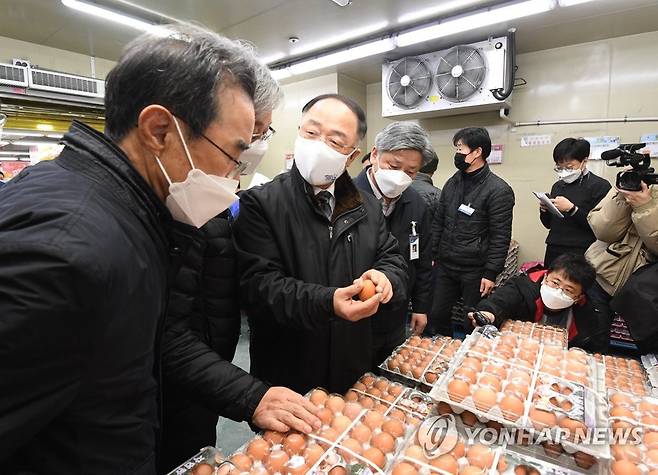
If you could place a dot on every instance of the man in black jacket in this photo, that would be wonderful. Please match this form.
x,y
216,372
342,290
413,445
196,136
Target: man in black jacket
x,y
575,194
85,252
553,297
424,185
305,241
400,150
475,229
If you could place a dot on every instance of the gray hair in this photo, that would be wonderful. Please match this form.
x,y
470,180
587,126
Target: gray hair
x,y
181,69
405,136
268,92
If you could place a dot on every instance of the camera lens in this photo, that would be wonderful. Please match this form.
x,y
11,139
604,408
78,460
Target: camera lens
x,y
629,180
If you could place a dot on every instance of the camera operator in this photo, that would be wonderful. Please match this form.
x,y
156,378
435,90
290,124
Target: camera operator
x,y
626,225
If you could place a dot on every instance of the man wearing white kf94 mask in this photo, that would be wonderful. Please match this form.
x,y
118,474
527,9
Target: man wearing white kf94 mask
x,y
306,242
400,150
552,297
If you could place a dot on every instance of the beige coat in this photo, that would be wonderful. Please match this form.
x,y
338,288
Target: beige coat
x,y
627,238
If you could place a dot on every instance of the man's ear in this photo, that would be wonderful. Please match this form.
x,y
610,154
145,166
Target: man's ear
x,y
353,156
153,124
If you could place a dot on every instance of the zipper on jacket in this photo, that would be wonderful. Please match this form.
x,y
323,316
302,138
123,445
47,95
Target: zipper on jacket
x,y
349,240
331,232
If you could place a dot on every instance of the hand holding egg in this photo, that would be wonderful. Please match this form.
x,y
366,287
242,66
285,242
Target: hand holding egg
x,y
352,310
382,284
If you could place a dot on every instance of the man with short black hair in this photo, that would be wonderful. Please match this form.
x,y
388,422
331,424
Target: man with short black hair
x,y
306,241
87,250
400,150
575,194
553,297
475,229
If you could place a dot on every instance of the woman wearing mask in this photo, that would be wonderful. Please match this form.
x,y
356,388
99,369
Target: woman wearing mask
x,y
577,191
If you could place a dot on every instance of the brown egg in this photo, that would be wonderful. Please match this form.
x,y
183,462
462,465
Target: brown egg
x,y
395,389
472,362
318,397
626,452
484,398
352,410
497,426
417,372
353,445
338,470
490,381
203,469
398,414
502,464
520,376
480,456
466,374
444,408
257,470
575,367
573,427
404,468
330,434
517,389
367,402
624,467
542,419
384,442
394,427
373,420
650,440
325,415
341,423
276,461
459,449
405,368
375,456
414,341
258,449
652,457
294,444
381,408
359,386
458,390
296,466
335,403
471,470
351,396
361,432
621,411
313,453
552,450
445,462
374,392
497,370
431,377
274,438
621,399
367,291
368,379
647,406
382,384
415,452
511,407
242,462
469,418
584,460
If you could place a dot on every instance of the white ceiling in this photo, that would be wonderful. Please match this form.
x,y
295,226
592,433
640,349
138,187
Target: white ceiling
x,y
269,23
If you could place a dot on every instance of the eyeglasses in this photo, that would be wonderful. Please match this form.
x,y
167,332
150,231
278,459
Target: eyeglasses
x,y
265,136
239,166
556,284
333,142
565,169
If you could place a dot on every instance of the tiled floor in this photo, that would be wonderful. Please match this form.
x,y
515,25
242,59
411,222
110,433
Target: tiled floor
x,y
230,434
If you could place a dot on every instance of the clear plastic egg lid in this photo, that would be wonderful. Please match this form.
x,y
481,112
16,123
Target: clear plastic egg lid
x,y
516,463
207,455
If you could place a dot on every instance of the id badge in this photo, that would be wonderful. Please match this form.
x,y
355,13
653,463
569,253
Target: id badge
x,y
466,209
414,246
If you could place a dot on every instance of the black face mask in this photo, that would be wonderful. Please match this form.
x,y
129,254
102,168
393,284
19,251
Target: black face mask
x,y
460,161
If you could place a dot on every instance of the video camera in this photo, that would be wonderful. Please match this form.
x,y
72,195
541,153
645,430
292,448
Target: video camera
x,y
625,155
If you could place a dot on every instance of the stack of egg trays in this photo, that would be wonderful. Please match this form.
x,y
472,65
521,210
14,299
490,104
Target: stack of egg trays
x,y
207,455
613,377
439,363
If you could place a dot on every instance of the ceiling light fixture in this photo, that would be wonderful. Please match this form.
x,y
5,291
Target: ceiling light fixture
x,y
12,154
32,143
115,17
435,10
569,3
472,21
344,36
20,133
343,56
272,58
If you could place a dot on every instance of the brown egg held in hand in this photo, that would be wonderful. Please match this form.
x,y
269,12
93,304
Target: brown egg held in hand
x,y
367,291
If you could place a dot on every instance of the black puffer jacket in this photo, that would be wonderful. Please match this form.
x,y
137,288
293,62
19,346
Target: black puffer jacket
x,y
479,241
291,260
84,255
424,185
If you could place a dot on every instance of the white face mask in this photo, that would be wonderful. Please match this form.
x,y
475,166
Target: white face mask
x,y
391,183
317,162
555,299
200,197
253,156
569,176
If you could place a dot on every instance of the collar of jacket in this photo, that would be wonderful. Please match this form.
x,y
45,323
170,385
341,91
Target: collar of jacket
x,y
362,183
484,172
424,178
114,172
347,195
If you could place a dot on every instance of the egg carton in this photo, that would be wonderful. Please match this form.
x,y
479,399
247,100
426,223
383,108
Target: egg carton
x,y
519,463
573,364
554,455
508,347
576,426
640,450
623,374
542,333
206,462
433,366
640,411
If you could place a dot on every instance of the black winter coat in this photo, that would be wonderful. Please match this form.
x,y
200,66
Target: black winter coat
x,y
479,241
291,260
83,276
409,207
517,300
574,230
424,185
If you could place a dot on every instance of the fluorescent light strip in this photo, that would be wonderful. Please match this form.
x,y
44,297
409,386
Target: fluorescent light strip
x,y
32,143
475,20
115,17
14,154
568,3
279,74
344,36
343,56
20,133
436,10
272,58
